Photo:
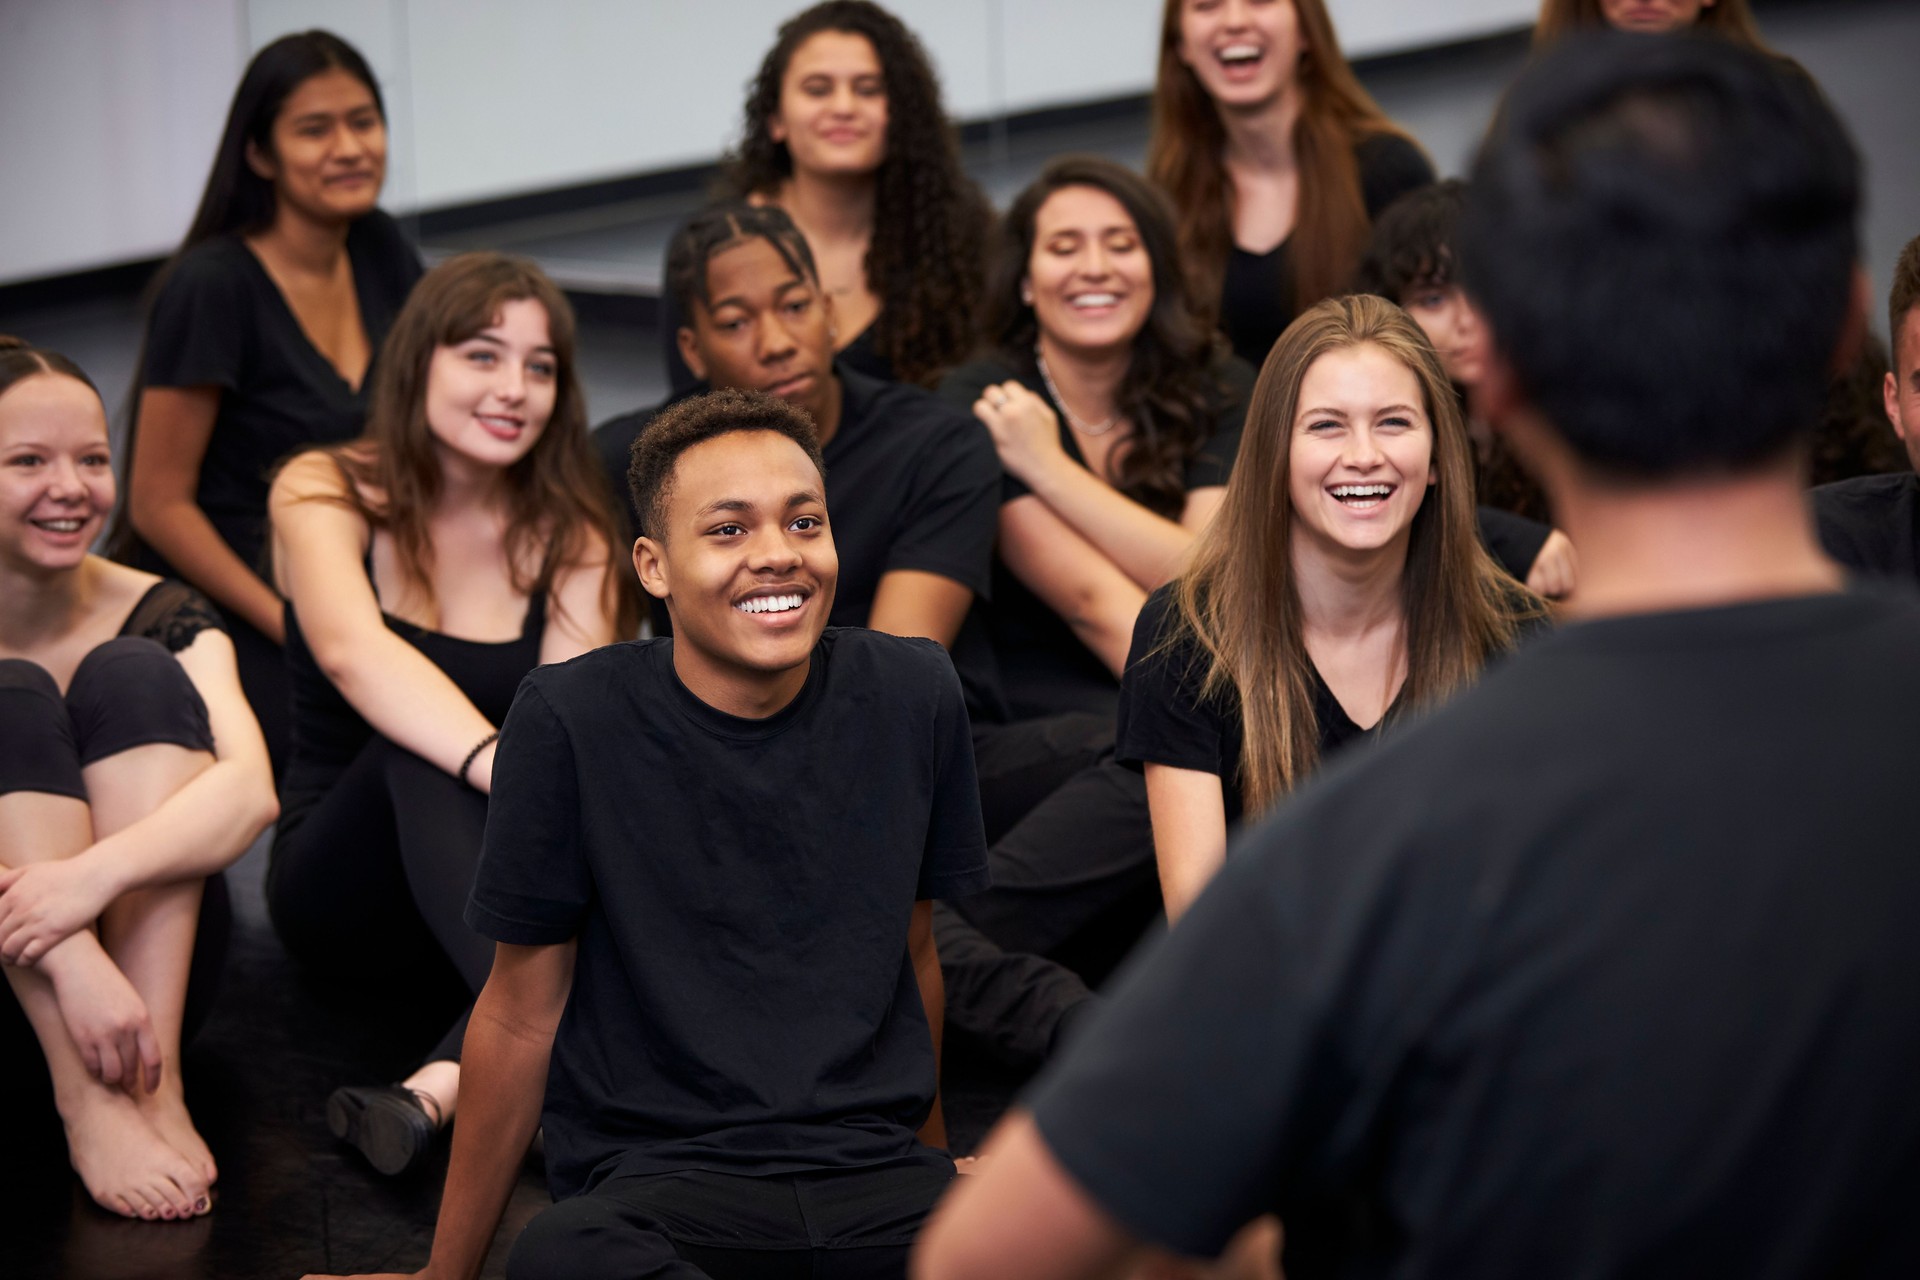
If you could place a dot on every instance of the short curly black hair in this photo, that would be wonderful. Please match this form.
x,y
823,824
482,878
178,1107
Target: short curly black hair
x,y
1412,245
696,420
1905,296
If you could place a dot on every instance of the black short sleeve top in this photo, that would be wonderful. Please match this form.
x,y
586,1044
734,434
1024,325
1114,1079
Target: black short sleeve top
x,y
220,321
1871,524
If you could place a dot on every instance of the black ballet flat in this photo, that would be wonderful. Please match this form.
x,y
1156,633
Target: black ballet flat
x,y
388,1123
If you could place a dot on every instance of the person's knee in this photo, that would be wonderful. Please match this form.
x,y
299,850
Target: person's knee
x,y
585,1238
129,692
38,749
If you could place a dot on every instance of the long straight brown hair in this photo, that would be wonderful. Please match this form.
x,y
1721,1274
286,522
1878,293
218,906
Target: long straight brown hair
x,y
1239,601
556,497
1186,156
1732,19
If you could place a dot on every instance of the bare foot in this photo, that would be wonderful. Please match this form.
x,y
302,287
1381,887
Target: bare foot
x,y
127,1166
166,1110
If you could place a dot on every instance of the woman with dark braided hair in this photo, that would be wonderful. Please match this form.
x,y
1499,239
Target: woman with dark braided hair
x,y
845,131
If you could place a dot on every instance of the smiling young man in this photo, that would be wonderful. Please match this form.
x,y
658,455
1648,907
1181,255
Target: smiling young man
x,y
1871,524
1607,968
708,868
917,481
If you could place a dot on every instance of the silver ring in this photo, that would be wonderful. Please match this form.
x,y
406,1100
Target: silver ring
x,y
997,398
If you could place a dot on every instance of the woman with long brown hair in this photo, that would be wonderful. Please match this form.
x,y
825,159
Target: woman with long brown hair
x,y
845,130
428,566
1732,19
1275,156
1341,586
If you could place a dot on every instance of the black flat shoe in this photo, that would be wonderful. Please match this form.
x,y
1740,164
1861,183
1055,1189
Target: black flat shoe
x,y
388,1123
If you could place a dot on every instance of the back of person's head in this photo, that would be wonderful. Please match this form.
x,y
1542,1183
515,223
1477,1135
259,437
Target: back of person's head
x,y
1186,158
236,198
1661,236
20,360
1728,19
1169,392
929,219
696,420
1239,597
714,230
1412,245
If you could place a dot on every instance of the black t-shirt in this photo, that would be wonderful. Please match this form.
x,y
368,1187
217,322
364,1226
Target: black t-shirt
x,y
911,484
1165,717
221,321
1871,524
1043,667
743,998
1605,969
1513,541
1256,295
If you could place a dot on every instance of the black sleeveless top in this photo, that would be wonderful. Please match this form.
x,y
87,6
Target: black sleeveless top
x,y
328,733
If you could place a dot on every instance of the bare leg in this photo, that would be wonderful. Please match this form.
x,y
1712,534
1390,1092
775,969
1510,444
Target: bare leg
x,y
439,1081
149,932
126,1165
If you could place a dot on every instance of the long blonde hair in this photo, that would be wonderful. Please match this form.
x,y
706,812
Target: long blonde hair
x,y
1731,19
1238,601
1186,157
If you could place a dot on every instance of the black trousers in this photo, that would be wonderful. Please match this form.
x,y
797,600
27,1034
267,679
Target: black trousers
x,y
128,692
851,1224
376,874
1074,883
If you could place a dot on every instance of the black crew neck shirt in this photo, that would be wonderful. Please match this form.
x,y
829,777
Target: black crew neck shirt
x,y
220,321
912,484
1166,718
1605,969
743,998
1256,294
1871,524
1043,667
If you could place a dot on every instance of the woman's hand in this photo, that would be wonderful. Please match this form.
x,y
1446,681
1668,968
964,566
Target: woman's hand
x,y
105,1016
1556,569
1026,433
45,903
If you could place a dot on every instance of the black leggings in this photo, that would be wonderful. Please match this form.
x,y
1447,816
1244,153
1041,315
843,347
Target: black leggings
x,y
128,692
852,1224
390,848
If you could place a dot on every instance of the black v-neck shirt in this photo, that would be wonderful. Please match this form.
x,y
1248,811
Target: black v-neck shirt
x,y
220,321
1256,294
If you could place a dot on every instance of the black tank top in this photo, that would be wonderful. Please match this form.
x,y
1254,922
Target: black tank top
x,y
328,733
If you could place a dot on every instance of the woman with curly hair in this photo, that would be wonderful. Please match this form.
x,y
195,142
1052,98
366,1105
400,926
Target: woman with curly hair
x,y
1275,156
846,132
1116,415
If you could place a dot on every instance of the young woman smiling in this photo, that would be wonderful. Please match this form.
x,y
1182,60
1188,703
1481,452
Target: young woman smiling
x,y
1276,159
846,132
1341,586
428,566
1115,415
131,773
262,334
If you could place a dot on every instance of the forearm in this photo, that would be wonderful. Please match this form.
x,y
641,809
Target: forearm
x,y
503,1079
1150,549
933,997
1187,809
404,696
198,830
1104,623
180,532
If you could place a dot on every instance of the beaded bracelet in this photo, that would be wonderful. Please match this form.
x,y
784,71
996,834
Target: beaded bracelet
x,y
467,764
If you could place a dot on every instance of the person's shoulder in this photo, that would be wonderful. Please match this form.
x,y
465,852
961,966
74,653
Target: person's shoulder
x,y
870,659
614,438
583,681
963,384
1391,164
379,232
217,265
1872,491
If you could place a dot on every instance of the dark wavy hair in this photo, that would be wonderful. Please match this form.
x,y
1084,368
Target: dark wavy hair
x,y
1171,392
557,504
929,220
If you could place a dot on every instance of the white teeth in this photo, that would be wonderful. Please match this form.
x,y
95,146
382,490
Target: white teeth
x,y
1240,53
770,604
61,526
1094,299
1362,490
